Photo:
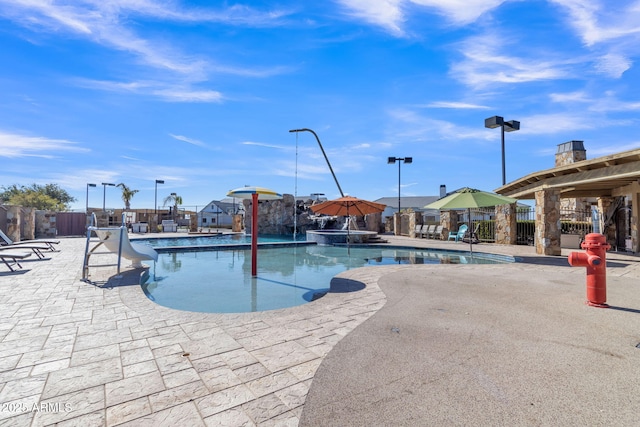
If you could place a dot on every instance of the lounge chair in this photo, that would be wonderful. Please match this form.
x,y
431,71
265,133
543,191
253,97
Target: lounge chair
x,y
458,235
417,232
428,230
437,233
46,242
35,248
10,258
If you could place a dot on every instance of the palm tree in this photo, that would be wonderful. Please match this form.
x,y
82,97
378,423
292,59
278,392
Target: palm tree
x,y
175,200
127,195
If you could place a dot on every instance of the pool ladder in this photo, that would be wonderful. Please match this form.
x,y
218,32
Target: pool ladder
x,y
88,252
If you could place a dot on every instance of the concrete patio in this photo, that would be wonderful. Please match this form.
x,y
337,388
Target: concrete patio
x,y
101,353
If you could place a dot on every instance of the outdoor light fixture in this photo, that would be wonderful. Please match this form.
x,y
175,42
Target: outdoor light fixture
x,y
158,181
510,126
392,160
104,194
88,185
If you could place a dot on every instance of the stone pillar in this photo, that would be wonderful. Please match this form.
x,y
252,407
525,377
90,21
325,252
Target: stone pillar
x,y
449,221
604,205
414,219
14,214
506,224
397,224
635,214
29,224
548,222
193,223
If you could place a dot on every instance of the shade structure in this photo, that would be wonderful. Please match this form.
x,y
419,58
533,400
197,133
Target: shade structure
x,y
348,205
255,194
248,192
468,198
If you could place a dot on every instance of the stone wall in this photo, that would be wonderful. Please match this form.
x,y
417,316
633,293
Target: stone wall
x,y
45,224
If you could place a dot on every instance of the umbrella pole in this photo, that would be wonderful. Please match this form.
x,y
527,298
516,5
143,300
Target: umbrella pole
x,y
470,232
254,234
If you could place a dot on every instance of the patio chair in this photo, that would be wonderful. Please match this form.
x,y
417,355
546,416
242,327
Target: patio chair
x,y
35,248
13,256
458,235
437,233
5,240
428,230
417,232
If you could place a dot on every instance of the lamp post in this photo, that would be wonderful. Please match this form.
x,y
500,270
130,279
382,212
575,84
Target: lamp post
x,y
510,126
392,160
104,195
87,209
155,204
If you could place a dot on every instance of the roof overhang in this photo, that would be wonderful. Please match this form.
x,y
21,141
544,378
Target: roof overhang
x,y
599,177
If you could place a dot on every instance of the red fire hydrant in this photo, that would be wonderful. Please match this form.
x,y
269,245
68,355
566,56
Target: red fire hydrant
x,y
595,260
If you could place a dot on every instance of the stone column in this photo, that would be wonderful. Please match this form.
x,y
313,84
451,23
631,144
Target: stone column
x,y
193,223
14,214
29,224
635,214
449,221
506,224
397,224
604,205
548,222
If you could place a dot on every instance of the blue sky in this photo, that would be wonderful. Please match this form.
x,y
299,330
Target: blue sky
x,y
202,94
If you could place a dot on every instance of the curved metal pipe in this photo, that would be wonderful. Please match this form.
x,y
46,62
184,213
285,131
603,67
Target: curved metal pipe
x,y
323,153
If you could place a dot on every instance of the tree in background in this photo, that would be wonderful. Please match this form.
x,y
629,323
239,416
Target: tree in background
x,y
127,195
175,200
42,197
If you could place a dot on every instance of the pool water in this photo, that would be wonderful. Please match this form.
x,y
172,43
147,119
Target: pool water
x,y
221,239
219,281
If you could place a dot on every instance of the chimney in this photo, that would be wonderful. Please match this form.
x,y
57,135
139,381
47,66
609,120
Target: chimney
x,y
570,152
443,190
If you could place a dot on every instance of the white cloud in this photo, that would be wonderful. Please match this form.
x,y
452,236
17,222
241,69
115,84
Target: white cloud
x,y
485,62
456,105
385,13
598,21
13,145
392,14
578,96
460,12
188,140
613,64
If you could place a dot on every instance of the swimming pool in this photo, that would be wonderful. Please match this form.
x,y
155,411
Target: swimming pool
x,y
215,240
219,281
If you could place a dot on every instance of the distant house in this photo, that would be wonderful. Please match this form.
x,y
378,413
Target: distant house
x,y
415,203
219,213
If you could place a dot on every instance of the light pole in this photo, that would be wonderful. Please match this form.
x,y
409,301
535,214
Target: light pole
x,y
104,195
87,209
155,205
510,126
392,160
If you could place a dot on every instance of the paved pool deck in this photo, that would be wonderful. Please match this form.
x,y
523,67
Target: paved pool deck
x,y
508,344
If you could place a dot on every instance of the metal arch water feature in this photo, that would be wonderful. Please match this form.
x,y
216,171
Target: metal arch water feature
x,y
324,154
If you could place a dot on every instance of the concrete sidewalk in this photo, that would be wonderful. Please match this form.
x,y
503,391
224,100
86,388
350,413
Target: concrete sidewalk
x,y
488,345
447,338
